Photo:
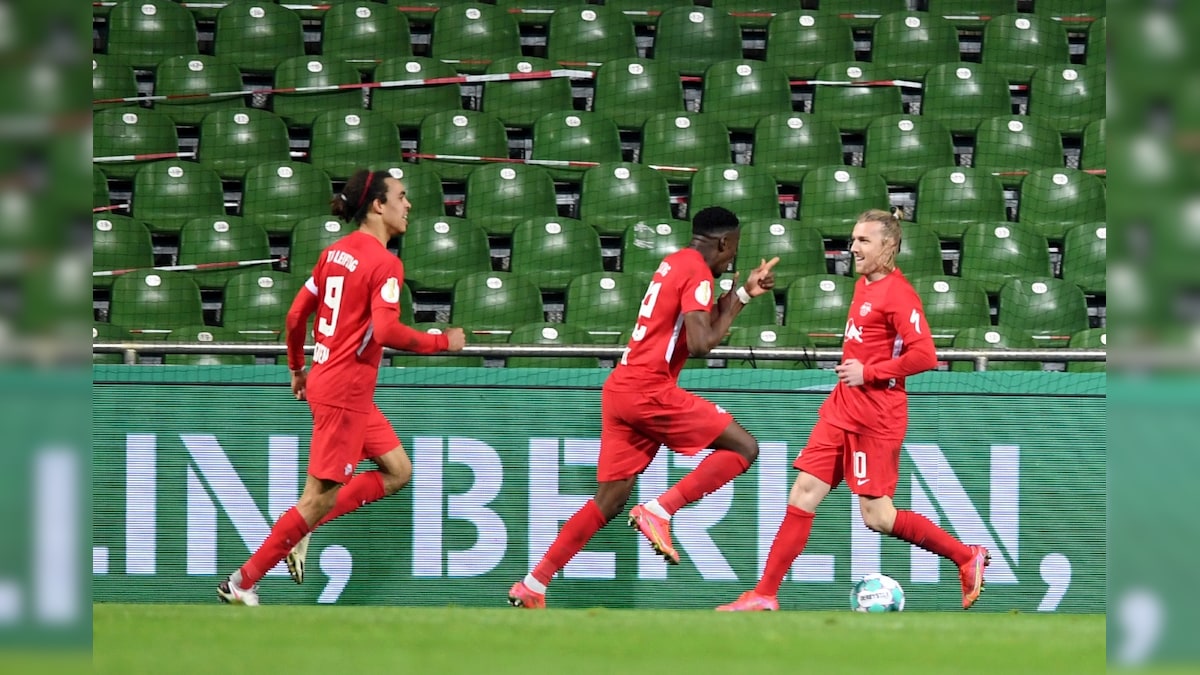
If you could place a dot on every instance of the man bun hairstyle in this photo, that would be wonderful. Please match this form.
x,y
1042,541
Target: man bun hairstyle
x,y
714,221
363,188
890,222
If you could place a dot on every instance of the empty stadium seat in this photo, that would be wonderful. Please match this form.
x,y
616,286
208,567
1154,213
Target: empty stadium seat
x,y
301,108
1070,9
832,197
970,14
363,33
501,195
993,253
818,305
440,250
277,194
575,136
1018,44
1085,257
119,243
111,79
993,338
100,196
1069,97
166,194
613,196
771,336
589,34
748,191
119,132
852,108
861,13
216,239
233,141
961,95
1051,310
693,38
256,301
193,74
645,12
740,91
551,251
473,35
154,301
901,148
344,141
1094,154
407,106
799,42
788,145
1097,42
631,91
488,305
800,248
952,304
542,333
141,34
107,332
755,14
605,303
312,235
951,198
461,132
257,35
204,334
520,102
1055,200
906,44
1013,144
1091,338
688,140
645,244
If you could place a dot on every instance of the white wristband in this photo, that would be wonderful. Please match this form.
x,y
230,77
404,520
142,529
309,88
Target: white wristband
x,y
743,295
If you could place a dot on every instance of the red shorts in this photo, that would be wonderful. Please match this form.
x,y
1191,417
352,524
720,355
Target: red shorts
x,y
870,464
341,438
635,424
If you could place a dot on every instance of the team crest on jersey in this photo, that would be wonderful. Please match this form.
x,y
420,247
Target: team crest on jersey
x,y
391,290
865,309
704,292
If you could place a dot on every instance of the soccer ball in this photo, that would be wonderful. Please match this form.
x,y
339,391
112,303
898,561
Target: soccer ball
x,y
877,593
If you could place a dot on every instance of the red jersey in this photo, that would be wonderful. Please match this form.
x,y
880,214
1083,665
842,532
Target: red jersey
x,y
355,291
887,332
658,349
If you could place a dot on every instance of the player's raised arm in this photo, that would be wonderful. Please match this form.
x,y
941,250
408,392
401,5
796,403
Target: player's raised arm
x,y
705,330
917,353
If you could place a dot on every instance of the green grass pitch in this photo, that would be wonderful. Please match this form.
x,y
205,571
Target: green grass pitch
x,y
180,639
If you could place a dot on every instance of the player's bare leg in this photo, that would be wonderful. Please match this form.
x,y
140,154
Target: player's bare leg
x,y
395,471
736,451
609,502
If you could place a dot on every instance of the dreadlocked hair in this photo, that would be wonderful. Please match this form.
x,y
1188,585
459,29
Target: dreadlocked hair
x,y
363,188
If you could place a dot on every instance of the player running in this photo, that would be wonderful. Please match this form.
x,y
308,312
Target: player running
x,y
355,292
861,425
643,407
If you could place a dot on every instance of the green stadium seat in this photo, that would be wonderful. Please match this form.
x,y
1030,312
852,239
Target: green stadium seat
x,y
192,74
761,312
687,140
961,95
993,253
740,91
1018,44
107,332
997,338
442,360
312,235
789,145
488,305
800,42
501,195
1085,257
906,44
1070,9
755,14
920,252
119,243
1093,154
631,91
818,305
202,333
575,136
277,194
1097,42
519,103
256,302
771,336
800,248
853,108
645,12
100,196
155,302
473,35
1055,200
1049,309
951,198
257,36
424,187
542,333
613,196
407,106
1069,97
589,34
344,141
536,12
169,193
1091,338
111,79
645,244
363,33
970,15
832,197
901,148
301,109
605,303
748,191
861,13
1013,144
119,132
551,251
461,132
440,250
234,141
952,304
214,239
693,38
142,33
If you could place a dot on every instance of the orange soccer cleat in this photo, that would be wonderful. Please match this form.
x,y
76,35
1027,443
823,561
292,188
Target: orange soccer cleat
x,y
521,595
751,601
971,574
657,530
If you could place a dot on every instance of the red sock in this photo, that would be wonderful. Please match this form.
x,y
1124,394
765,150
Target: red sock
x,y
360,491
716,470
288,530
788,545
574,535
917,529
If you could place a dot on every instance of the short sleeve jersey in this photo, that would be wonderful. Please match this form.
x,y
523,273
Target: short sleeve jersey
x,y
353,275
886,317
658,349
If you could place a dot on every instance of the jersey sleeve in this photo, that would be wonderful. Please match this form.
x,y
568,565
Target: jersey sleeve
x,y
386,290
697,290
917,354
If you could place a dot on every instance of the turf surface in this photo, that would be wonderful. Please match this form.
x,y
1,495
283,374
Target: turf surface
x,y
293,640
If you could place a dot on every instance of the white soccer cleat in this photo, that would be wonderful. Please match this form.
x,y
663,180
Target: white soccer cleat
x,y
295,559
232,594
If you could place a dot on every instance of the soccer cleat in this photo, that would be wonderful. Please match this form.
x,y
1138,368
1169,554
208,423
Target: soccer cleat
x,y
521,595
751,602
295,559
971,574
231,594
657,530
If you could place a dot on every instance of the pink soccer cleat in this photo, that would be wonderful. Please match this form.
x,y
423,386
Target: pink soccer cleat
x,y
751,601
657,530
521,595
971,574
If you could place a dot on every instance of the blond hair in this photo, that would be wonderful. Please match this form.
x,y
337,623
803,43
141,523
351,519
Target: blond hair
x,y
890,222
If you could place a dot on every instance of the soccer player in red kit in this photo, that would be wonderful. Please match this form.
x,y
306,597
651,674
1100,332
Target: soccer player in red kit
x,y
643,408
862,423
355,293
